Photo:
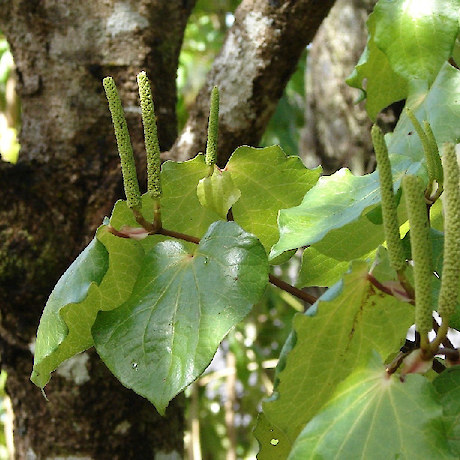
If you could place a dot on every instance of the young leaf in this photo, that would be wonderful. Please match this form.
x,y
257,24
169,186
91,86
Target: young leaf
x,y
349,319
218,192
373,415
183,304
180,207
269,180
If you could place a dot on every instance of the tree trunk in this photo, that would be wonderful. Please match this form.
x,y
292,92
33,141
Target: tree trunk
x,y
337,131
68,178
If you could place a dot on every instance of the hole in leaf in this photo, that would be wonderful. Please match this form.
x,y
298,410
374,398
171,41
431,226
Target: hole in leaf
x,y
274,442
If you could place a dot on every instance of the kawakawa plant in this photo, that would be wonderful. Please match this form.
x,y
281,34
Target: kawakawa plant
x,y
173,270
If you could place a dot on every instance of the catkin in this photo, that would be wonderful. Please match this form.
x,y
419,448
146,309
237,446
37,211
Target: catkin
x,y
213,128
414,192
152,145
434,153
390,217
125,150
451,264
429,158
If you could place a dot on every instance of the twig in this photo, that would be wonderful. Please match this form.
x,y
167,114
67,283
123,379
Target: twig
x,y
296,292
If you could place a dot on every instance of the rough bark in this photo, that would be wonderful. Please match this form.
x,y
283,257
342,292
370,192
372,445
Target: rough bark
x,y
68,178
337,131
260,53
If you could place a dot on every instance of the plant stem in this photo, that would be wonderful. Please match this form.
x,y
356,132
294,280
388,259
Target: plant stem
x,y
296,292
441,334
178,235
153,230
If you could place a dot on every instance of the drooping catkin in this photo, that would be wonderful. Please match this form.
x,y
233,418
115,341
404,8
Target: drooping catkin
x,y
125,150
152,145
451,264
390,217
434,153
213,128
414,193
429,158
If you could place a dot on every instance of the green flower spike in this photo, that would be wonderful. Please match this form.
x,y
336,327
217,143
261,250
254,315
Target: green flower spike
x,y
451,265
421,252
213,130
429,149
152,145
434,153
390,217
125,150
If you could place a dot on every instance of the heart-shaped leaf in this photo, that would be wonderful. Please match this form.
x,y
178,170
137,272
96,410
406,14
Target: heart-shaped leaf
x,y
183,304
376,416
327,343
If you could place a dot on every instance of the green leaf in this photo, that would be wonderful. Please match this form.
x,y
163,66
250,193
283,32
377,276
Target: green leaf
x,y
269,180
372,415
383,85
416,36
325,262
447,385
163,337
218,192
100,278
332,203
439,105
180,208
408,41
349,320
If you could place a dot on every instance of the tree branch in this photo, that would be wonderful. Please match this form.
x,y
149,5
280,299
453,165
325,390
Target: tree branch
x,y
260,53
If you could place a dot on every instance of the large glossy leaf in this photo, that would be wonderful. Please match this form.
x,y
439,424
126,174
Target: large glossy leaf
x,y
334,202
163,337
374,416
447,385
417,36
269,180
348,321
408,41
101,278
341,198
